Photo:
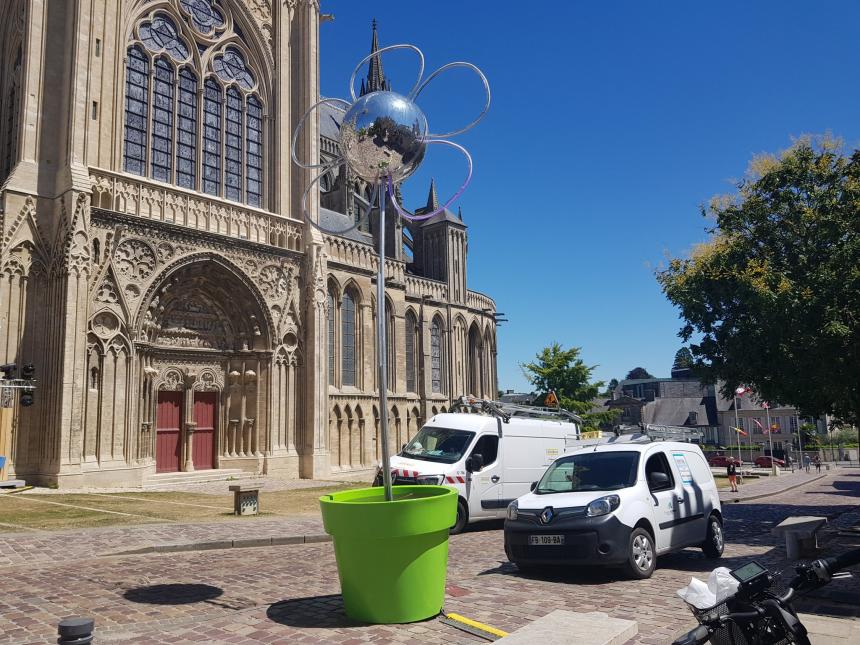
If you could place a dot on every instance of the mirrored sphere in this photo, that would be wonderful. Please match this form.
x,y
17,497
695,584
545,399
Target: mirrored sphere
x,y
383,134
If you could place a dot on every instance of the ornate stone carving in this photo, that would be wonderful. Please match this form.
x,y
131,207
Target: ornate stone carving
x,y
107,292
105,324
194,323
173,380
165,251
134,259
274,281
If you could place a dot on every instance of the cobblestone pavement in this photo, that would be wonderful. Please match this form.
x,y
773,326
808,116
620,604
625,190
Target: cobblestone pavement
x,y
289,594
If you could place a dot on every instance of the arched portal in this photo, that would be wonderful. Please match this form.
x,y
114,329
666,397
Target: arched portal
x,y
204,345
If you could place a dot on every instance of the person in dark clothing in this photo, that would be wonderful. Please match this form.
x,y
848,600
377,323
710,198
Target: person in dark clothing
x,y
732,472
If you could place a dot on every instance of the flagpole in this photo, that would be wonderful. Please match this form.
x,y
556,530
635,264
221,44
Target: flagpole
x,y
799,437
770,438
738,425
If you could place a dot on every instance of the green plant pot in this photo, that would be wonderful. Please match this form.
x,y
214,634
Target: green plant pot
x,y
391,556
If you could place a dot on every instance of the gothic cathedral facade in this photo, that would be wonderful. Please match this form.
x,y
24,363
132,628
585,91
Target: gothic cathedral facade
x,y
156,269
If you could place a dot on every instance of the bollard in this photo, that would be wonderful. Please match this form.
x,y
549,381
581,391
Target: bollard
x,y
75,631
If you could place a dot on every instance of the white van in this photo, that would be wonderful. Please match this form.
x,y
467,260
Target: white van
x,y
491,459
623,503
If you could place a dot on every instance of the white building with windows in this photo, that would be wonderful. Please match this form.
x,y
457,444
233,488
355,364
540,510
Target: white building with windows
x,y
157,271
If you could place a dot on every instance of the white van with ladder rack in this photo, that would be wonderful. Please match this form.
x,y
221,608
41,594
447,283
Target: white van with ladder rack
x,y
489,451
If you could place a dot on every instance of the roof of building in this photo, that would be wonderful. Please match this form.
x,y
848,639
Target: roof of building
x,y
676,411
433,204
331,116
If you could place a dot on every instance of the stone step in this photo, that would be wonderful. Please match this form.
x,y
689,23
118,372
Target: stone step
x,y
196,477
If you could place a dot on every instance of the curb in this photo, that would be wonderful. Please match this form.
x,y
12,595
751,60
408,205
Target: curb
x,y
736,500
244,543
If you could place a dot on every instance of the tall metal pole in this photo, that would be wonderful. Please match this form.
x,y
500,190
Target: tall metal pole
x,y
799,438
738,434
770,439
383,346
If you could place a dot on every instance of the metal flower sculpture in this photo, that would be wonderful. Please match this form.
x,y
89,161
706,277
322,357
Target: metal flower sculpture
x,y
383,139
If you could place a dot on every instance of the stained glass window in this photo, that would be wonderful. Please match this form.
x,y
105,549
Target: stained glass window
x,y
411,329
212,98
390,361
254,152
186,130
136,111
213,144
161,157
331,313
161,35
204,16
233,146
231,67
347,310
436,355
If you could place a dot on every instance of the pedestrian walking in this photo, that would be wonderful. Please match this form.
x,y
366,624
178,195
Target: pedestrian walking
x,y
806,462
789,462
817,462
732,472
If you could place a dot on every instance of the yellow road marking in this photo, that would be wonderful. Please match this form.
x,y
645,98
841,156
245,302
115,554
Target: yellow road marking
x,y
476,624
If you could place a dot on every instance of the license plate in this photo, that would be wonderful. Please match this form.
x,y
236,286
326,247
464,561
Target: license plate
x,y
538,540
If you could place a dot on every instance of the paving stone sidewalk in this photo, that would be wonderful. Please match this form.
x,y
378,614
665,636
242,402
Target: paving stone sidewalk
x,y
291,593
770,485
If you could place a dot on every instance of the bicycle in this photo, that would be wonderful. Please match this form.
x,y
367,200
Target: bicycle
x,y
756,615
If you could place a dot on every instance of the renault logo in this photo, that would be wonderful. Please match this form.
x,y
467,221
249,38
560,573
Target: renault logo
x,y
546,515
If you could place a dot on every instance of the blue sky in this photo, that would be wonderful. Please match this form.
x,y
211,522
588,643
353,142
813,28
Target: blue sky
x,y
611,123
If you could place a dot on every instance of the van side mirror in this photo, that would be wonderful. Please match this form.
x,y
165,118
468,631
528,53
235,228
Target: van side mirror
x,y
533,486
658,480
403,447
475,463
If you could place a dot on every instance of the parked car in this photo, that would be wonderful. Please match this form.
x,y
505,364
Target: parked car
x,y
623,504
718,461
766,461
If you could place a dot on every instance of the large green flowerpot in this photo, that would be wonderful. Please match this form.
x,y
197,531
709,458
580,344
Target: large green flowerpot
x,y
391,556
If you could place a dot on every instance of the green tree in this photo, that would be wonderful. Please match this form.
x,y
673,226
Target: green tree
x,y
563,372
774,293
637,373
683,359
613,383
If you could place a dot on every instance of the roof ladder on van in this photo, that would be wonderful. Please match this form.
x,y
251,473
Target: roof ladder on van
x,y
508,410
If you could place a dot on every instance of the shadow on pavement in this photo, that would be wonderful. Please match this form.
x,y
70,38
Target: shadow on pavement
x,y
314,611
173,594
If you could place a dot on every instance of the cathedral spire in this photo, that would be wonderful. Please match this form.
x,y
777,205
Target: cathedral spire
x,y
432,199
375,76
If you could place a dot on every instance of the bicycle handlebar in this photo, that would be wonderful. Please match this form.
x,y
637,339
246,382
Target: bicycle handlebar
x,y
843,561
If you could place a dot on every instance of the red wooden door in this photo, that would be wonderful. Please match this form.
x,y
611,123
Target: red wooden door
x,y
168,421
203,450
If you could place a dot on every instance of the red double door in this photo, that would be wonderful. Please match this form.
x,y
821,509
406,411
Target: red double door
x,y
168,431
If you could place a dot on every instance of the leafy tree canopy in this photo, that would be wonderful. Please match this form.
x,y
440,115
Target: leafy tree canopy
x,y
563,371
775,292
683,359
638,372
613,383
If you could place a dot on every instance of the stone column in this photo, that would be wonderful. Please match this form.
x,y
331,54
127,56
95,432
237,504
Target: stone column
x,y
190,427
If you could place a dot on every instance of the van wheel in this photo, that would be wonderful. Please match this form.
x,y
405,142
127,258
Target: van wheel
x,y
641,558
462,518
714,540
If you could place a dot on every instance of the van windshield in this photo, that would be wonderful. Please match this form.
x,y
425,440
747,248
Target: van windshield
x,y
438,444
590,471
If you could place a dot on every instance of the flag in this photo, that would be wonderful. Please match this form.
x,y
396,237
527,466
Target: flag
x,y
740,432
761,427
743,389
765,404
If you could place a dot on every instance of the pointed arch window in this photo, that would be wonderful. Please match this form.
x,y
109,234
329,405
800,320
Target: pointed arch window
x,y
330,322
136,110
411,347
390,348
11,117
212,141
347,346
436,351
